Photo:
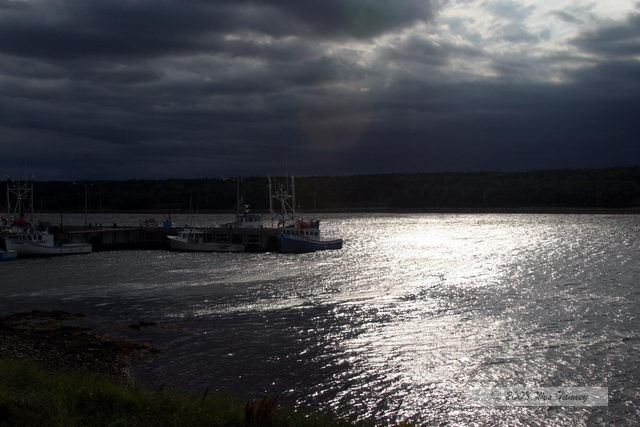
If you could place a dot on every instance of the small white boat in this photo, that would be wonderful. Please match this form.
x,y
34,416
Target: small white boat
x,y
8,255
26,242
195,240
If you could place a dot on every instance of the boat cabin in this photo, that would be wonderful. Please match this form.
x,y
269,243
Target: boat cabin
x,y
307,231
40,238
192,236
248,220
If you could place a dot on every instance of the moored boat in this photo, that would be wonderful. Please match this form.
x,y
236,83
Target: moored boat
x,y
290,243
8,255
21,236
297,235
195,240
27,242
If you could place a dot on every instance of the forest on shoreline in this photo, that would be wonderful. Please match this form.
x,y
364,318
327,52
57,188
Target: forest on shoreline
x,y
611,188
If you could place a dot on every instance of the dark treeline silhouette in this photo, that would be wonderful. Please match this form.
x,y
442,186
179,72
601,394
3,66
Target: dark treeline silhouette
x,y
585,188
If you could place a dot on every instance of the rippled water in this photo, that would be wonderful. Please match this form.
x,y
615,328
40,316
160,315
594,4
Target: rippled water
x,y
416,309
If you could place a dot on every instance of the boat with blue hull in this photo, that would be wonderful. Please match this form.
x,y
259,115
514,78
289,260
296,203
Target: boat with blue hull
x,y
8,255
299,244
296,235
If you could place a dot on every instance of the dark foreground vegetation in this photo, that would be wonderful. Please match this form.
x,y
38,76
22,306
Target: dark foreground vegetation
x,y
581,188
56,374
32,396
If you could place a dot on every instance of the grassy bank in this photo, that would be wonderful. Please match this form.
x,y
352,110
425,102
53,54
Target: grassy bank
x,y
32,396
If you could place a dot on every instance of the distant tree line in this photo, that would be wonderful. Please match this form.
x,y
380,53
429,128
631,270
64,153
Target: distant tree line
x,y
583,188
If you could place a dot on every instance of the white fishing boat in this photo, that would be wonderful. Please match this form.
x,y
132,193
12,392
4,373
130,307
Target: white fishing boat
x,y
196,240
29,242
20,235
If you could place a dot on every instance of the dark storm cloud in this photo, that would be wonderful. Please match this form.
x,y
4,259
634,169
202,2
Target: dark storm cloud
x,y
613,40
427,52
488,126
356,18
122,28
65,29
157,88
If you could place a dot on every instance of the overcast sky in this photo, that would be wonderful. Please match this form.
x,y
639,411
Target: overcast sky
x,y
194,88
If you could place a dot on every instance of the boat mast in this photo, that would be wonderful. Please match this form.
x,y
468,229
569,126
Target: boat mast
x,y
8,199
283,205
31,219
22,194
237,198
191,219
270,201
241,208
23,208
293,196
287,211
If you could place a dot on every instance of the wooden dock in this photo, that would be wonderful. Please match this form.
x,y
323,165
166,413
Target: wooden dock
x,y
113,238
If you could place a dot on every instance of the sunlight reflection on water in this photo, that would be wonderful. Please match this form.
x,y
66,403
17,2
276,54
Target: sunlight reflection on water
x,y
413,311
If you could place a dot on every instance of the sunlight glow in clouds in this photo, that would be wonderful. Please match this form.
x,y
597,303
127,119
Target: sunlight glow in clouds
x,y
530,29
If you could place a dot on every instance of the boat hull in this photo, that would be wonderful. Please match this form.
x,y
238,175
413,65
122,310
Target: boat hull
x,y
34,249
8,256
180,245
293,244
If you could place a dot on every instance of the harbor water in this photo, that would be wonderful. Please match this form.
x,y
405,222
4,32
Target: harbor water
x,y
415,310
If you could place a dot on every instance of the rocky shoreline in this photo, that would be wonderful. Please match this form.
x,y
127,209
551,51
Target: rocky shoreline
x,y
51,339
48,385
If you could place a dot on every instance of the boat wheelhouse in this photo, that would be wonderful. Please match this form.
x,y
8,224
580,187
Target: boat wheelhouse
x,y
244,219
249,220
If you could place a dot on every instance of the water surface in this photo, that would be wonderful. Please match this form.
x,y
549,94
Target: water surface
x,y
416,309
